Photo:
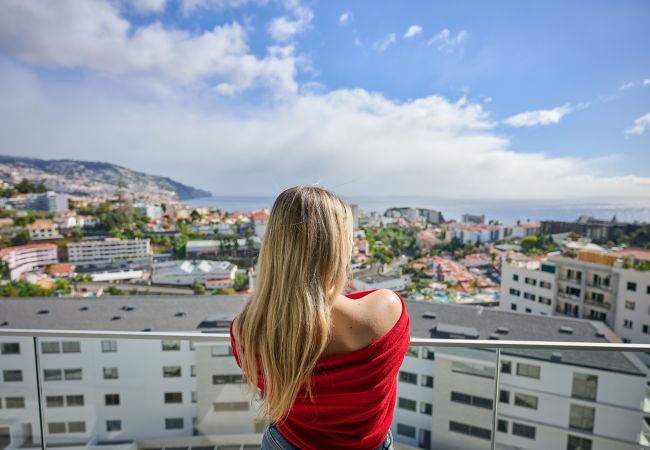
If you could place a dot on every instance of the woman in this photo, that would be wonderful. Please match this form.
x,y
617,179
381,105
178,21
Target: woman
x,y
326,363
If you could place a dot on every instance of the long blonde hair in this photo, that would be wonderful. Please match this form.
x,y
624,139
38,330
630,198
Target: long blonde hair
x,y
304,263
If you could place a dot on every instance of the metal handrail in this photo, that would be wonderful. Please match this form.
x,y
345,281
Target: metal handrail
x,y
415,341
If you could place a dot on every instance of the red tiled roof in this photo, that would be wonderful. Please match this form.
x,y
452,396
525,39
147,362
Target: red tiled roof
x,y
8,250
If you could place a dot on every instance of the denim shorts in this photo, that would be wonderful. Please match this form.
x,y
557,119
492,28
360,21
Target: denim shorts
x,y
274,440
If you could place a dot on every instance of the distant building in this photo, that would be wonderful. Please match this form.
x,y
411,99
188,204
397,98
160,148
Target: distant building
x,y
26,258
151,211
378,281
526,229
355,215
260,221
202,249
43,230
599,231
108,250
472,234
186,273
49,201
476,219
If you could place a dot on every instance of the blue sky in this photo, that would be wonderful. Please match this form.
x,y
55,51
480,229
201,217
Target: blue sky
x,y
243,96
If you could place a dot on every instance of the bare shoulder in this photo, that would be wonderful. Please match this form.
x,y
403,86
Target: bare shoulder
x,y
382,309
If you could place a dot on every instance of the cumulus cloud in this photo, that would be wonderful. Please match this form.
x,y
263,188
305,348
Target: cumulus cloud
x,y
446,42
93,35
633,84
383,44
283,29
412,31
149,5
539,117
639,126
345,18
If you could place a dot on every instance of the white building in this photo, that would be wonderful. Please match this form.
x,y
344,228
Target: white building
x,y
107,250
150,210
43,230
526,229
378,281
471,234
528,287
26,258
260,221
186,273
48,201
202,248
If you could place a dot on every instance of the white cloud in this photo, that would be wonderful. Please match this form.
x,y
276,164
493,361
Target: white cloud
x,y
384,43
92,35
640,125
646,82
345,18
430,144
283,29
149,5
446,42
412,31
633,84
539,117
189,6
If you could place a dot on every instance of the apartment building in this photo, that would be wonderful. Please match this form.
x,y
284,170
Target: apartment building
x,y
186,273
26,258
43,230
107,250
177,393
481,233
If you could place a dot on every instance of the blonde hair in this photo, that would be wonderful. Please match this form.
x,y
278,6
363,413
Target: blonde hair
x,y
304,263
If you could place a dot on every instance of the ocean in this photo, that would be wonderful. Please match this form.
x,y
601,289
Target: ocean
x,y
505,211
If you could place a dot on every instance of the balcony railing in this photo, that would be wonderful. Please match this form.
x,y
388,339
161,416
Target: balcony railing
x,y
600,304
154,390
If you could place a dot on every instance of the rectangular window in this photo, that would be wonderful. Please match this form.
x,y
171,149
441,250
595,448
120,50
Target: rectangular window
x,y
170,346
109,346
502,426
71,346
531,281
426,381
230,406
544,300
405,430
515,277
14,402
192,345
221,351
76,427
519,429
528,370
111,373
584,386
629,304
645,329
473,400
192,370
504,396
627,323
578,443
12,375
193,396
173,397
545,284
52,374
513,306
526,401
10,348
429,354
54,401
478,432
426,408
50,347
406,403
56,427
228,379
72,374
408,377
478,370
582,417
74,400
171,371
112,399
113,425
529,296
631,286
515,292
506,366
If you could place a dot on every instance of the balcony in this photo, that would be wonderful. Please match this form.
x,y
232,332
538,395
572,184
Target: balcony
x,y
604,304
565,296
155,390
601,286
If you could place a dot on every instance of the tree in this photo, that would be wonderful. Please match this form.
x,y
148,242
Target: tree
x,y
198,288
195,216
529,243
21,237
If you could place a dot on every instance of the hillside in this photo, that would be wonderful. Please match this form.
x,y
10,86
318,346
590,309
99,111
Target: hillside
x,y
97,179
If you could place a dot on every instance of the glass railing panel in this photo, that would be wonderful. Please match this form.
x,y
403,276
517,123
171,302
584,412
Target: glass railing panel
x,y
19,414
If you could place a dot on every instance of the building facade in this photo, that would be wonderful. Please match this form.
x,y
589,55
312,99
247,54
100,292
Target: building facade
x,y
26,258
107,250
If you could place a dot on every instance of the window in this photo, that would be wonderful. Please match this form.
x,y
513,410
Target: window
x,y
526,401
478,432
578,443
531,281
230,406
627,323
513,306
515,277
544,300
472,369
228,379
647,290
111,373
74,400
192,370
71,347
14,402
405,430
528,310
519,429
10,348
529,296
76,427
113,425
109,346
473,400
426,381
545,284
629,304
173,397
504,396
174,423
50,347
412,351
515,292
584,386
112,399
645,329
408,377
54,401
426,408
193,396
427,353
56,427
12,375
506,366
528,370
72,374
631,286
582,417
171,371
221,350
406,403
52,374
502,425
170,346
192,345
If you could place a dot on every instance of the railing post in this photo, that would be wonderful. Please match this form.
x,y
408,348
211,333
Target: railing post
x,y
39,393
495,401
